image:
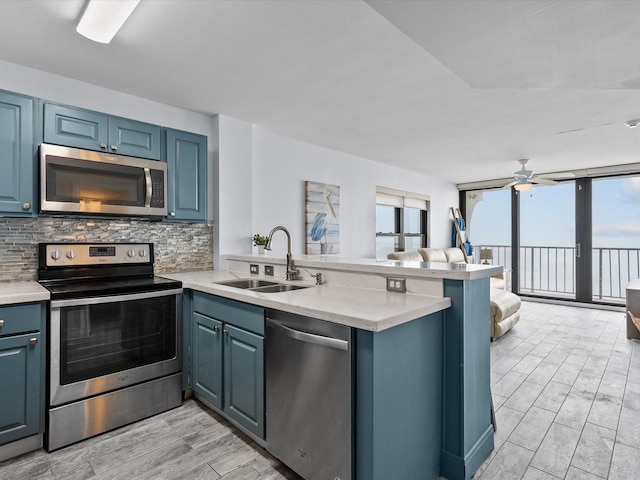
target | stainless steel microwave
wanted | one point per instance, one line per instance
(95, 183)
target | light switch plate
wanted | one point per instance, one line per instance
(253, 268)
(268, 270)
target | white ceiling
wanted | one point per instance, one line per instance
(458, 90)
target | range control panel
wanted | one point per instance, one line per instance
(86, 254)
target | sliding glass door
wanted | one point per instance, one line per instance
(615, 237)
(547, 251)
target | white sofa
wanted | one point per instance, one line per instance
(505, 305)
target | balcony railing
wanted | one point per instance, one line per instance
(550, 271)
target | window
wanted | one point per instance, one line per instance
(401, 221)
(576, 240)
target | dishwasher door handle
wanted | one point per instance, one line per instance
(309, 337)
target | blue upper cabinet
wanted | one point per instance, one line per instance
(76, 127)
(186, 157)
(17, 155)
(136, 139)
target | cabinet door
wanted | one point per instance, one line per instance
(244, 378)
(19, 387)
(186, 157)
(75, 127)
(206, 359)
(135, 139)
(16, 155)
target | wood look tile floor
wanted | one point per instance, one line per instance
(190, 442)
(566, 389)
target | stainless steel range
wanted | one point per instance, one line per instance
(113, 338)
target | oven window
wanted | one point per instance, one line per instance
(97, 340)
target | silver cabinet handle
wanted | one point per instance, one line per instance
(309, 337)
(225, 331)
(103, 145)
(173, 214)
(114, 147)
(216, 328)
(26, 206)
(74, 302)
(33, 341)
(1, 323)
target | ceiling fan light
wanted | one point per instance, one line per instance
(521, 187)
(103, 18)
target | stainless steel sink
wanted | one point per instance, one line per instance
(264, 286)
(248, 283)
(281, 287)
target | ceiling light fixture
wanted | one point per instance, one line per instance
(521, 187)
(103, 18)
(632, 123)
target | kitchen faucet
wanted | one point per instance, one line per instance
(292, 274)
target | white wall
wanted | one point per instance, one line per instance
(233, 190)
(281, 166)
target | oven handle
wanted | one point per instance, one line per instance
(114, 298)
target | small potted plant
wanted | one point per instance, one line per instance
(260, 242)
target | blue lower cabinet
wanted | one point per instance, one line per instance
(227, 359)
(244, 378)
(206, 363)
(20, 387)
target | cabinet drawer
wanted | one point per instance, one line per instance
(19, 318)
(239, 314)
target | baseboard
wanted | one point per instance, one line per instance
(454, 467)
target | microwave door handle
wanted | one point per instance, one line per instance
(147, 177)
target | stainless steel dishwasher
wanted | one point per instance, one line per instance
(308, 398)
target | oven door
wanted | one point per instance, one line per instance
(100, 344)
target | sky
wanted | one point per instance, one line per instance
(548, 215)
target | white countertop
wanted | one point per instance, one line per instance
(634, 284)
(363, 308)
(22, 292)
(454, 271)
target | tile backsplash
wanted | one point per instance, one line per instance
(178, 246)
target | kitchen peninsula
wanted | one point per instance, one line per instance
(421, 383)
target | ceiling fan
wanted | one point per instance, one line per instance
(524, 178)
